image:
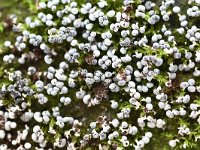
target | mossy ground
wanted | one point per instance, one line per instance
(19, 8)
